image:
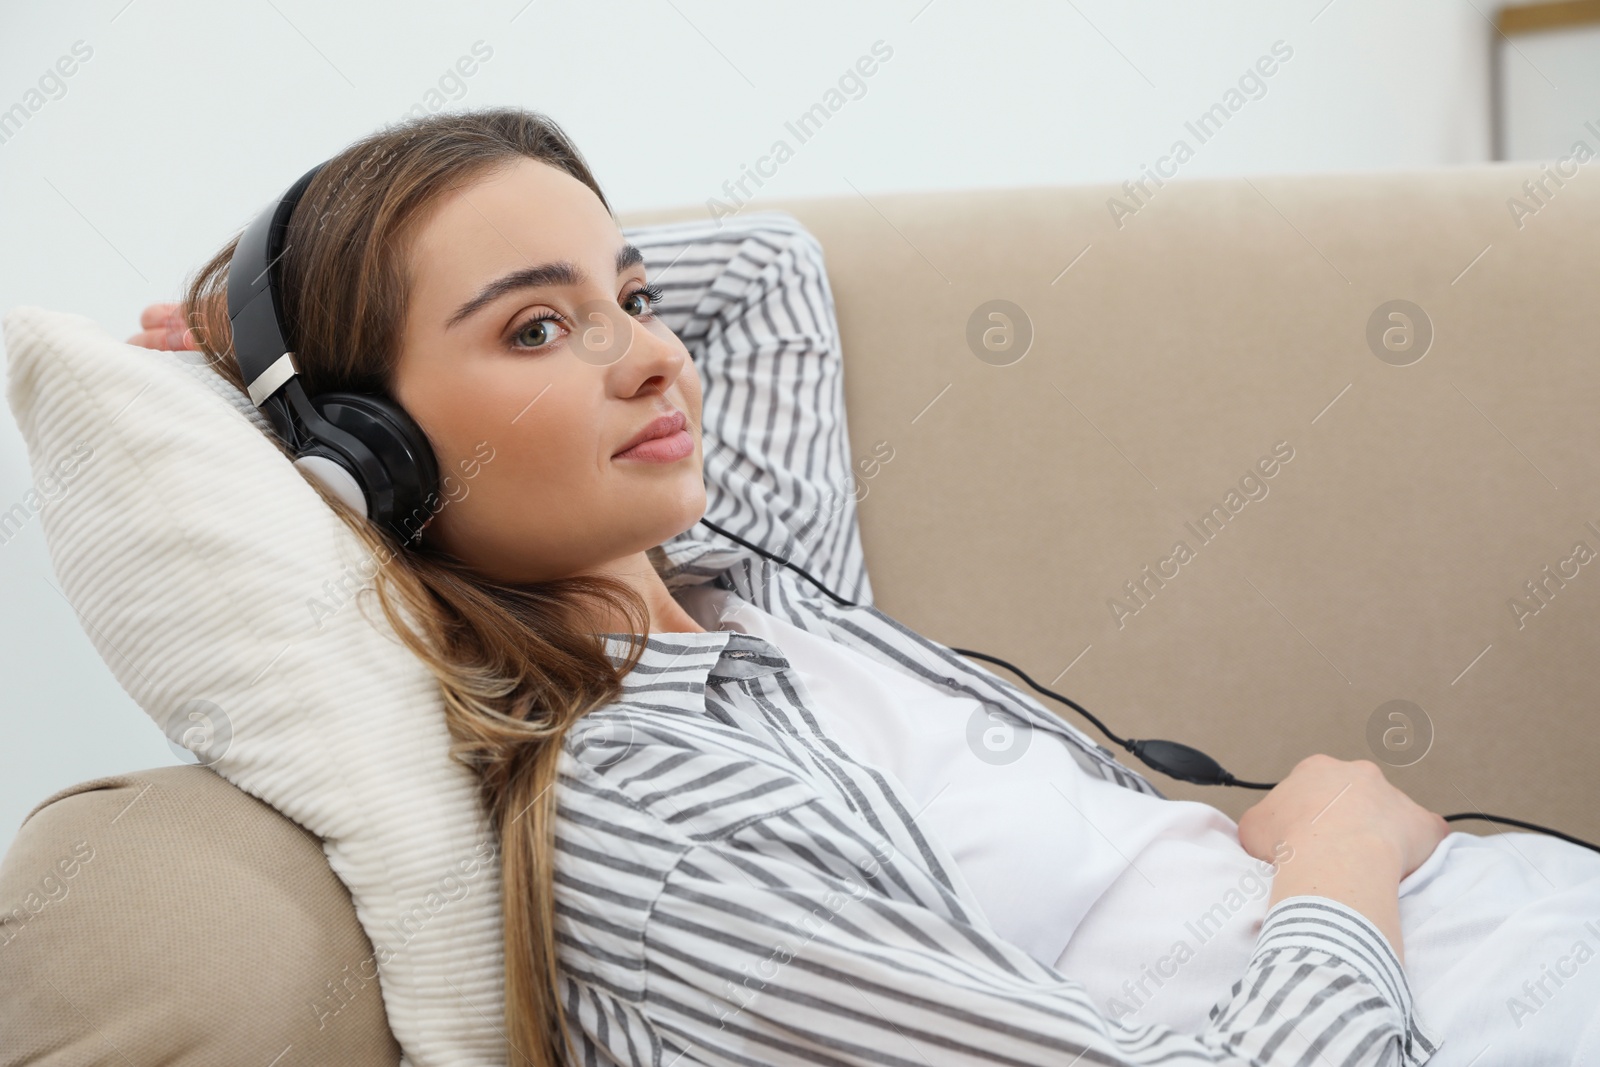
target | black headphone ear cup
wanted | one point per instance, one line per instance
(400, 476)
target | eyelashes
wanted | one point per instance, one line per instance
(545, 322)
(652, 292)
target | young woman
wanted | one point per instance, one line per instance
(743, 824)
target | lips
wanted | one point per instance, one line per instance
(660, 426)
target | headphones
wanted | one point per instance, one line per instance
(368, 452)
(364, 449)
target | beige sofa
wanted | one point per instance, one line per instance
(1010, 505)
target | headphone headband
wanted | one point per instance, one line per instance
(260, 334)
(364, 449)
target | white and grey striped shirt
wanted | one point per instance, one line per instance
(733, 888)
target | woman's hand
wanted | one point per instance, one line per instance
(1324, 798)
(164, 328)
(1351, 836)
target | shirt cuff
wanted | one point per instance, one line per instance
(1326, 925)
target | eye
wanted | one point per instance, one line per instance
(642, 301)
(537, 332)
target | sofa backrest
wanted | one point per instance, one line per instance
(1421, 546)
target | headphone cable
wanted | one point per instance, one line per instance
(1184, 763)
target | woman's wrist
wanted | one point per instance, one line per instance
(1359, 870)
(1374, 847)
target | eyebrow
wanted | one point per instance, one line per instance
(560, 272)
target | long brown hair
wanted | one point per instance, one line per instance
(516, 662)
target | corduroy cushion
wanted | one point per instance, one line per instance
(220, 589)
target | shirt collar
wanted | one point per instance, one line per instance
(693, 558)
(674, 668)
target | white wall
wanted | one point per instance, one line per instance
(188, 116)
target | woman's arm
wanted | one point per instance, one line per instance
(766, 946)
(749, 297)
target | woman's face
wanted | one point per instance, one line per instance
(532, 359)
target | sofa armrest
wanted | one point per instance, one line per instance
(167, 917)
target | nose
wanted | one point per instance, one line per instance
(650, 356)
